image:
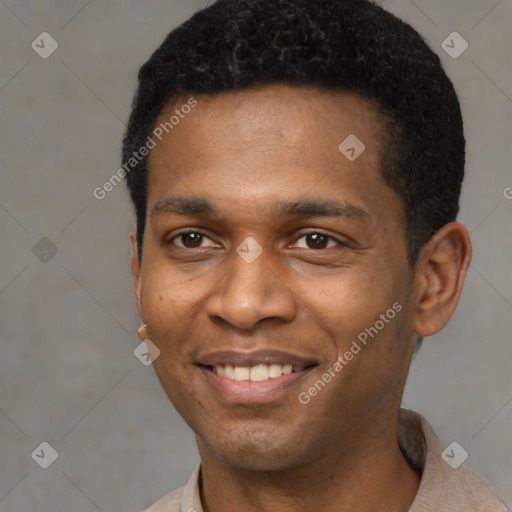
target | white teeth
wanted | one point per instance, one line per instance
(259, 373)
(242, 373)
(229, 371)
(275, 370)
(287, 368)
(256, 373)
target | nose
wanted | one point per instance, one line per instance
(250, 293)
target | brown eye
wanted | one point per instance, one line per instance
(191, 240)
(317, 241)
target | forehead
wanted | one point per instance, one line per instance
(268, 143)
(277, 111)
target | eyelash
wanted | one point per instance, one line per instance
(202, 233)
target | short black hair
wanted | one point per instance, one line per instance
(337, 45)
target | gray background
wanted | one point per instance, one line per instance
(68, 375)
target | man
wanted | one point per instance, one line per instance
(295, 167)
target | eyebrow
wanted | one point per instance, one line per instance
(199, 206)
(183, 206)
(330, 208)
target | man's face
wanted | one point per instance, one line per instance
(264, 163)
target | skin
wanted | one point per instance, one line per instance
(246, 153)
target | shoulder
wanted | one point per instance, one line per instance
(461, 490)
(169, 503)
(474, 492)
(185, 498)
(445, 483)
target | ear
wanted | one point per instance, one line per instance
(440, 273)
(135, 269)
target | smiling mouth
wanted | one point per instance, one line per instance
(257, 373)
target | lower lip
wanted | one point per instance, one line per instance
(250, 392)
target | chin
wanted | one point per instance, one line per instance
(261, 452)
(242, 459)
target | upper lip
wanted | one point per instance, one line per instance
(254, 358)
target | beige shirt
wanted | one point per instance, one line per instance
(442, 488)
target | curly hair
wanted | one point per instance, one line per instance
(337, 45)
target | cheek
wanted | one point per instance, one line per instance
(166, 296)
(348, 301)
(365, 316)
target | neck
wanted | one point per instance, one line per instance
(373, 476)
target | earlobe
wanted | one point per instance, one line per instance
(142, 332)
(135, 270)
(440, 275)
